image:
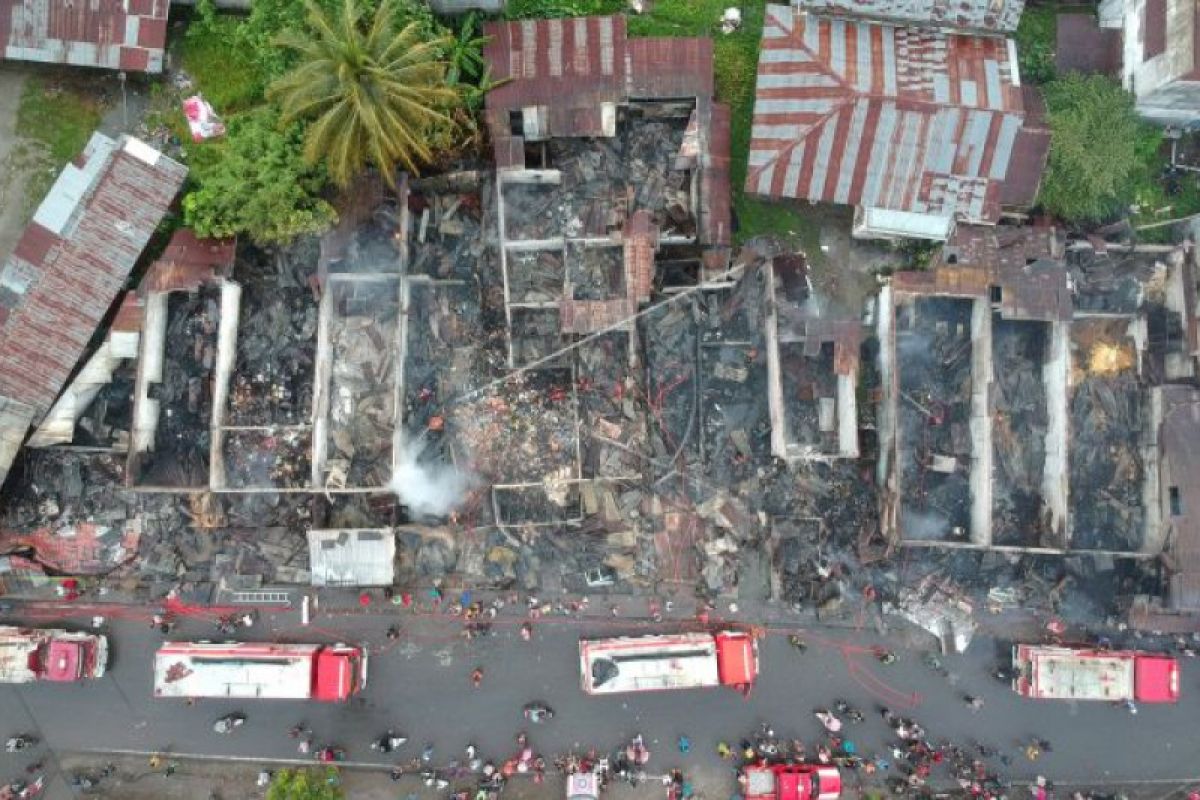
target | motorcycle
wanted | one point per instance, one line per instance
(799, 644)
(330, 754)
(16, 744)
(229, 722)
(388, 742)
(538, 712)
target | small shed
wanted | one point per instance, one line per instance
(352, 557)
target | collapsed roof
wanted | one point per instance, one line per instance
(67, 269)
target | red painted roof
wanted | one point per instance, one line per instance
(114, 34)
(73, 260)
(880, 116)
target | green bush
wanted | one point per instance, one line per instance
(255, 183)
(1036, 40)
(224, 72)
(1099, 148)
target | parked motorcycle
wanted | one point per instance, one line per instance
(229, 722)
(538, 712)
(16, 744)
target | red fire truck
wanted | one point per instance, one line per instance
(790, 782)
(49, 654)
(675, 661)
(1080, 673)
(330, 673)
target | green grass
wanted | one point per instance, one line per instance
(225, 74)
(1036, 40)
(57, 117)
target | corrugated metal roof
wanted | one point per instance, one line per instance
(669, 67)
(354, 557)
(59, 284)
(114, 34)
(570, 66)
(995, 16)
(885, 117)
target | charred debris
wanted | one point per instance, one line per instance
(558, 375)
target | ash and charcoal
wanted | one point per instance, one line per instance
(933, 348)
(735, 419)
(521, 431)
(183, 438)
(447, 236)
(276, 344)
(537, 334)
(1107, 411)
(267, 459)
(810, 393)
(595, 273)
(362, 391)
(107, 419)
(372, 246)
(555, 502)
(1020, 419)
(669, 333)
(536, 276)
(611, 414)
(603, 182)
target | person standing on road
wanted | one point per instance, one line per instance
(477, 677)
(975, 703)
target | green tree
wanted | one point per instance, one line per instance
(373, 94)
(1098, 146)
(256, 183)
(305, 784)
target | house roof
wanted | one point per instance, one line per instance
(354, 557)
(570, 66)
(875, 115)
(995, 16)
(70, 264)
(189, 261)
(115, 34)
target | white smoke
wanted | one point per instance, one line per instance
(427, 487)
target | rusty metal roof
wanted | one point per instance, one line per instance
(669, 67)
(569, 66)
(72, 261)
(188, 261)
(985, 16)
(115, 34)
(880, 116)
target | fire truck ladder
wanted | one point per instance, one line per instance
(261, 597)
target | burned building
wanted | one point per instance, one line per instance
(68, 268)
(611, 157)
(916, 128)
(812, 361)
(1022, 397)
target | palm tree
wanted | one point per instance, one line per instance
(372, 94)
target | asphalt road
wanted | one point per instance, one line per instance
(421, 686)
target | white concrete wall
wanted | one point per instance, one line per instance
(1145, 77)
(981, 422)
(1056, 376)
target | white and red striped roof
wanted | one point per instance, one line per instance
(883, 116)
